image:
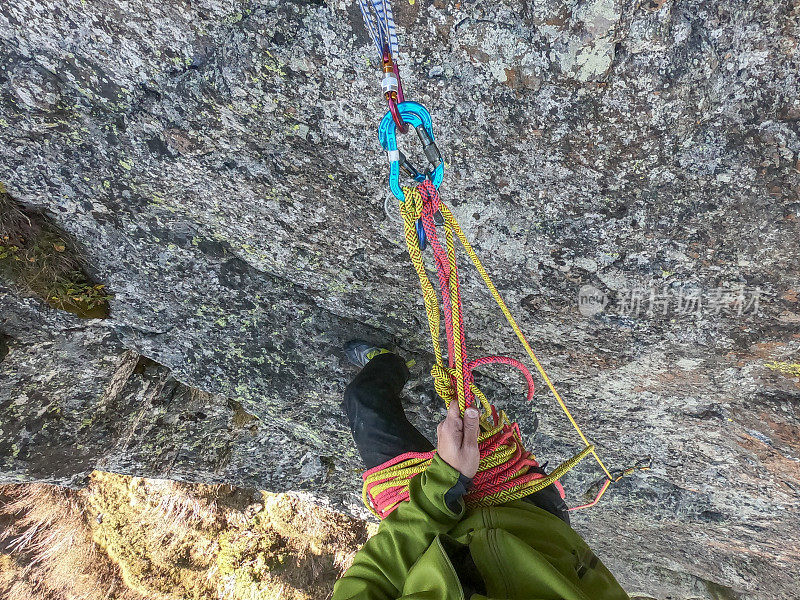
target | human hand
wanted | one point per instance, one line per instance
(457, 440)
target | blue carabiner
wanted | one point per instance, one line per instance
(422, 238)
(418, 117)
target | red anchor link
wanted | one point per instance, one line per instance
(393, 89)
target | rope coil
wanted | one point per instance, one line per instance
(505, 472)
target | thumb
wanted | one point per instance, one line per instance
(471, 425)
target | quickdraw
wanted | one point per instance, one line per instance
(507, 471)
(379, 22)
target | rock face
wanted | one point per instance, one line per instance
(218, 163)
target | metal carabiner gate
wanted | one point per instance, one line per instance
(418, 117)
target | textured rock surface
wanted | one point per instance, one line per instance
(219, 165)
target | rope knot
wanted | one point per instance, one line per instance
(430, 195)
(411, 208)
(444, 383)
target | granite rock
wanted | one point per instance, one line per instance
(217, 162)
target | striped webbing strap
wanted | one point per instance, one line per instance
(379, 21)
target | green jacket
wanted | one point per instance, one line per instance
(520, 551)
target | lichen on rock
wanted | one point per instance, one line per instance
(219, 163)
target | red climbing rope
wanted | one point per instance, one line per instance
(506, 469)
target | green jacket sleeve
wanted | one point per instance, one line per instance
(380, 567)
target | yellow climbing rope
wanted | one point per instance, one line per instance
(450, 219)
(504, 472)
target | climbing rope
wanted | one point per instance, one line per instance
(507, 471)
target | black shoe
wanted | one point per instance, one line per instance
(359, 352)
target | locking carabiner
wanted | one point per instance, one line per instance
(418, 117)
(393, 88)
